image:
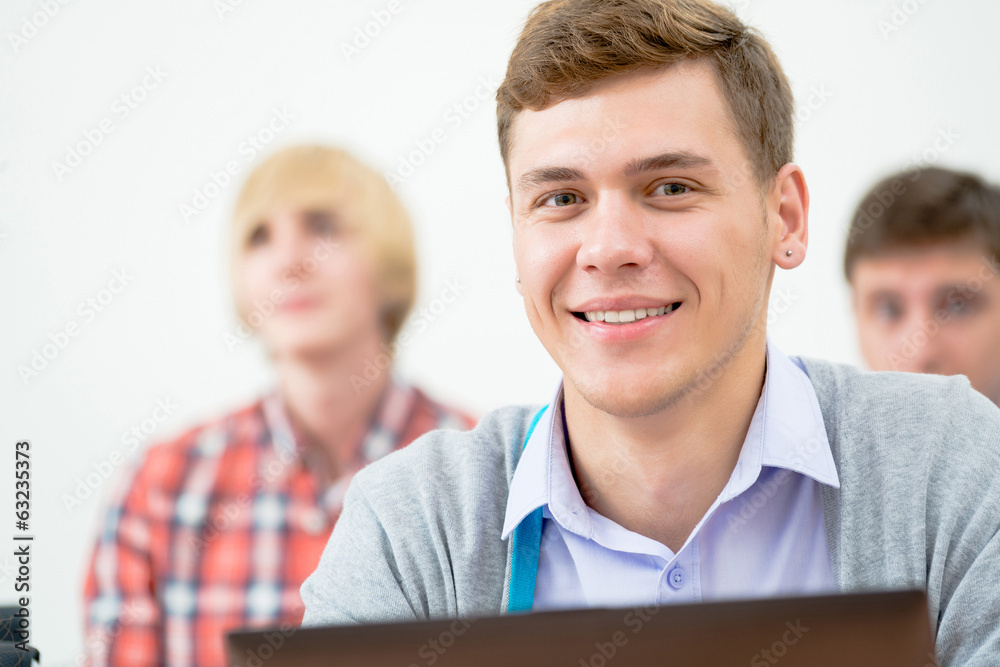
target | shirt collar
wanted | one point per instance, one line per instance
(383, 432)
(277, 423)
(533, 484)
(786, 431)
(389, 420)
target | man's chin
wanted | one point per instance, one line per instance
(303, 344)
(631, 400)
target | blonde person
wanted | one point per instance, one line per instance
(218, 528)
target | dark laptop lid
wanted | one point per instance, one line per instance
(877, 629)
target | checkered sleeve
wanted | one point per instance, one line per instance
(122, 617)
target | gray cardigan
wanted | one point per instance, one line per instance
(919, 507)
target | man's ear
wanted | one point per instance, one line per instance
(789, 199)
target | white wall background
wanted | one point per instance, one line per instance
(226, 68)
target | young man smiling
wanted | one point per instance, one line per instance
(645, 265)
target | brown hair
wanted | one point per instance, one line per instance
(569, 46)
(920, 207)
(327, 178)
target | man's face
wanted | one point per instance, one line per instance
(931, 310)
(640, 196)
(306, 283)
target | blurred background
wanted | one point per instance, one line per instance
(119, 121)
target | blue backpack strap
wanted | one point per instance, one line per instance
(526, 545)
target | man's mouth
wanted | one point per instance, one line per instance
(626, 316)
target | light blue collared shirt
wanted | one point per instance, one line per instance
(763, 536)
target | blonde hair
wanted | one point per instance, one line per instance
(567, 47)
(313, 177)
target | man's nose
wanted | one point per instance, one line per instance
(919, 344)
(615, 236)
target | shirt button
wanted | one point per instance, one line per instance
(676, 578)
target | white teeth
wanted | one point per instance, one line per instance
(625, 316)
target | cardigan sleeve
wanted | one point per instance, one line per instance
(967, 531)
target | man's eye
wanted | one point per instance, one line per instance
(321, 222)
(959, 303)
(673, 189)
(957, 306)
(888, 311)
(562, 199)
(259, 236)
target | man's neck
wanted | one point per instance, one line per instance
(658, 475)
(330, 401)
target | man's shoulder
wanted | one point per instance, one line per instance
(851, 389)
(241, 423)
(166, 461)
(902, 414)
(454, 463)
(434, 414)
(426, 520)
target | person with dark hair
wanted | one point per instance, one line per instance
(923, 262)
(652, 195)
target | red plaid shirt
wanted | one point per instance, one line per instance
(218, 529)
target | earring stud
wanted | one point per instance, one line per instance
(788, 252)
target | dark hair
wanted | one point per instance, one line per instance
(922, 207)
(569, 46)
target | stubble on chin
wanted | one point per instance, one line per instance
(667, 391)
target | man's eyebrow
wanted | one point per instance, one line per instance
(543, 175)
(883, 294)
(681, 160)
